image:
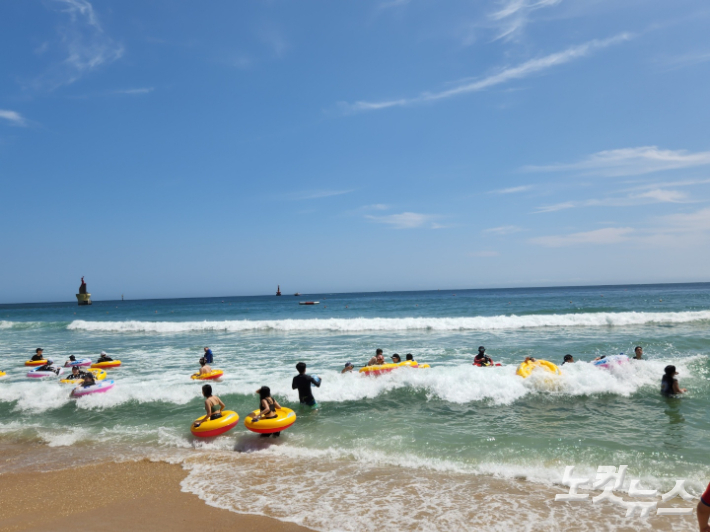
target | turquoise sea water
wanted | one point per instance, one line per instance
(419, 436)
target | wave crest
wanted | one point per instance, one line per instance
(475, 323)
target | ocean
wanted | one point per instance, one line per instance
(450, 447)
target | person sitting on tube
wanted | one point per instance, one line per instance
(213, 406)
(103, 357)
(88, 380)
(482, 359)
(267, 408)
(410, 356)
(76, 373)
(205, 369)
(569, 359)
(396, 359)
(378, 359)
(38, 355)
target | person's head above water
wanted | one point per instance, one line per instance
(378, 352)
(39, 350)
(638, 351)
(75, 369)
(207, 349)
(380, 358)
(349, 365)
(670, 371)
(568, 358)
(72, 358)
(410, 356)
(207, 390)
(103, 353)
(481, 350)
(301, 367)
(396, 358)
(264, 392)
(203, 361)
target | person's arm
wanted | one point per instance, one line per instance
(221, 404)
(208, 409)
(676, 388)
(277, 406)
(293, 383)
(703, 516)
(316, 382)
(264, 408)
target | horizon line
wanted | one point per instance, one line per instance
(376, 292)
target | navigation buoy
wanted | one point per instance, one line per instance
(83, 297)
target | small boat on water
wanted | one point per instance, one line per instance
(278, 290)
(297, 294)
(309, 302)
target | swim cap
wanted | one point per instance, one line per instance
(348, 364)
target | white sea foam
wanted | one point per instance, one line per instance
(474, 323)
(355, 489)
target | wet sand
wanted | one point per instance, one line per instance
(136, 496)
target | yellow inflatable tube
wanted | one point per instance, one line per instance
(285, 417)
(527, 367)
(386, 368)
(215, 427)
(99, 375)
(214, 374)
(2, 374)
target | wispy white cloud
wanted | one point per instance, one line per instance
(316, 194)
(630, 162)
(656, 195)
(694, 222)
(608, 235)
(142, 90)
(505, 75)
(15, 118)
(484, 254)
(685, 60)
(512, 190)
(514, 15)
(84, 44)
(407, 220)
(503, 230)
(375, 207)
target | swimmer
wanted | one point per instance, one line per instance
(303, 383)
(396, 359)
(482, 359)
(378, 359)
(410, 356)
(88, 380)
(638, 353)
(669, 384)
(38, 355)
(208, 355)
(213, 406)
(348, 368)
(569, 359)
(204, 369)
(267, 408)
(76, 374)
(103, 357)
(530, 359)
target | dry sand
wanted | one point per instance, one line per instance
(129, 496)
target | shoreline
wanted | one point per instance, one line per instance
(136, 496)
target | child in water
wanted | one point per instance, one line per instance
(669, 384)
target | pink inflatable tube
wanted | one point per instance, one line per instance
(99, 387)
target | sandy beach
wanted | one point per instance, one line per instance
(116, 496)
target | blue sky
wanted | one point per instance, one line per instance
(169, 149)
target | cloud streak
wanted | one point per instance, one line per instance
(84, 43)
(608, 235)
(523, 70)
(630, 162)
(407, 220)
(512, 190)
(15, 118)
(316, 194)
(515, 14)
